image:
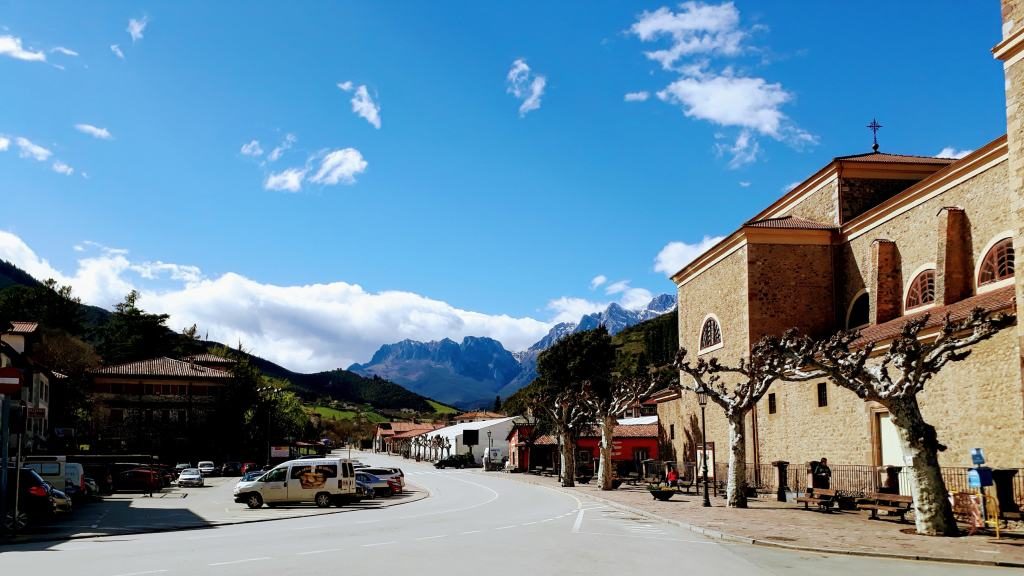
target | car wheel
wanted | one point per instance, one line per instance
(254, 500)
(323, 500)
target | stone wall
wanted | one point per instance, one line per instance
(819, 206)
(857, 195)
(790, 286)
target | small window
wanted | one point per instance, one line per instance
(671, 431)
(771, 403)
(640, 454)
(710, 334)
(822, 394)
(860, 312)
(922, 290)
(998, 263)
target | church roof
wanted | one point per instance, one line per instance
(208, 358)
(887, 158)
(790, 222)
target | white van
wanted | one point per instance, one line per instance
(51, 468)
(324, 481)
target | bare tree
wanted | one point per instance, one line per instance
(607, 404)
(765, 365)
(894, 381)
(568, 415)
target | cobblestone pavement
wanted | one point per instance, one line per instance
(787, 524)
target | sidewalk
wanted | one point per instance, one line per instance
(781, 524)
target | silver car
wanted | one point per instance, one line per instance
(386, 473)
(190, 477)
(379, 485)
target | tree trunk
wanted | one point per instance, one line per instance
(605, 468)
(736, 488)
(568, 470)
(933, 513)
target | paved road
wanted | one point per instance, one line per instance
(473, 523)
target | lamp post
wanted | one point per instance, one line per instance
(702, 399)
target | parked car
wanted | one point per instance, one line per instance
(231, 469)
(35, 504)
(380, 486)
(190, 477)
(181, 466)
(364, 490)
(61, 501)
(252, 475)
(456, 461)
(325, 481)
(249, 467)
(388, 474)
(206, 468)
(92, 489)
(51, 468)
(138, 480)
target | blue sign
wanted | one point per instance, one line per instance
(973, 479)
(977, 456)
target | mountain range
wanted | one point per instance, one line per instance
(473, 372)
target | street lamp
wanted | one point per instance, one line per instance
(702, 399)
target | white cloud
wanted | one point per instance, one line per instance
(637, 96)
(791, 185)
(29, 150)
(697, 28)
(750, 103)
(94, 131)
(675, 255)
(744, 151)
(744, 184)
(11, 46)
(252, 148)
(62, 168)
(345, 86)
(117, 51)
(950, 152)
(525, 85)
(5, 143)
(137, 27)
(64, 51)
(340, 167)
(289, 180)
(287, 143)
(597, 281)
(305, 327)
(569, 309)
(364, 106)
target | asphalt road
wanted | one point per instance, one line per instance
(473, 523)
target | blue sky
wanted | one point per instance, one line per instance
(491, 168)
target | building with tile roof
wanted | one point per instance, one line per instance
(868, 242)
(16, 351)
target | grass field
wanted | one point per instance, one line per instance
(441, 408)
(335, 414)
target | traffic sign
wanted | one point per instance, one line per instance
(10, 381)
(36, 413)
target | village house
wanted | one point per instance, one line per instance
(869, 241)
(384, 438)
(633, 441)
(16, 352)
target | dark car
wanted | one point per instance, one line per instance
(35, 503)
(457, 461)
(231, 469)
(138, 480)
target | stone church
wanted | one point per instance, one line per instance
(870, 241)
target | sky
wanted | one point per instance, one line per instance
(314, 180)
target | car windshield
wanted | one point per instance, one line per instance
(189, 471)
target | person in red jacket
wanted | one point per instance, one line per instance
(672, 477)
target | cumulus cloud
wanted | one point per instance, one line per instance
(697, 35)
(117, 51)
(62, 168)
(950, 152)
(94, 131)
(64, 51)
(252, 148)
(675, 255)
(744, 184)
(345, 86)
(280, 149)
(136, 27)
(340, 167)
(11, 47)
(790, 186)
(27, 149)
(525, 85)
(637, 96)
(288, 180)
(304, 327)
(571, 309)
(5, 143)
(597, 281)
(363, 104)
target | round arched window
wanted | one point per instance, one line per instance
(860, 312)
(710, 334)
(998, 263)
(921, 290)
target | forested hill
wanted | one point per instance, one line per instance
(19, 300)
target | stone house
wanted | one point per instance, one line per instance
(16, 352)
(870, 241)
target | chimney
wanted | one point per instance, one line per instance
(886, 283)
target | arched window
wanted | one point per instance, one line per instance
(860, 312)
(998, 263)
(922, 290)
(710, 334)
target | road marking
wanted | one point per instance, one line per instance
(528, 524)
(506, 527)
(548, 520)
(141, 573)
(636, 536)
(470, 532)
(379, 544)
(579, 521)
(493, 498)
(311, 552)
(432, 537)
(230, 562)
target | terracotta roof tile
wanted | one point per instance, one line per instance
(162, 367)
(478, 415)
(627, 431)
(208, 358)
(23, 327)
(790, 222)
(896, 158)
(993, 301)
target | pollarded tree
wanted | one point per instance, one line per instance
(564, 412)
(753, 378)
(894, 381)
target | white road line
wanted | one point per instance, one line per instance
(579, 521)
(548, 520)
(432, 537)
(141, 573)
(379, 544)
(492, 499)
(244, 560)
(528, 524)
(311, 552)
(470, 532)
(506, 527)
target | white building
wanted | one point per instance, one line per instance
(478, 434)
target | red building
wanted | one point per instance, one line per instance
(631, 444)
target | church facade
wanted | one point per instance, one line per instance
(868, 242)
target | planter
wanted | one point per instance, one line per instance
(662, 495)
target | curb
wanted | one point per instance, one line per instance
(423, 494)
(717, 535)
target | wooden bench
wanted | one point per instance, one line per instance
(823, 498)
(632, 478)
(891, 504)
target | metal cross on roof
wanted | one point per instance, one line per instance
(874, 126)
